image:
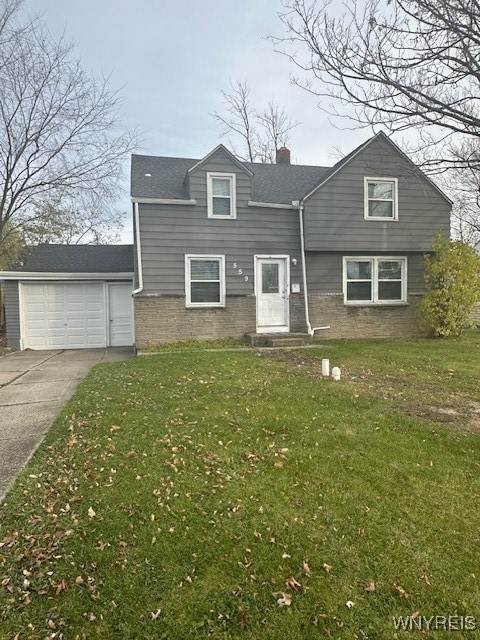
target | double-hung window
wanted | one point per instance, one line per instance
(205, 281)
(379, 280)
(381, 199)
(221, 199)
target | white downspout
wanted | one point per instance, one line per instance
(304, 266)
(311, 330)
(139, 250)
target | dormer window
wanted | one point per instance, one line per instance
(221, 201)
(381, 199)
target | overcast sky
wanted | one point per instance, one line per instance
(171, 58)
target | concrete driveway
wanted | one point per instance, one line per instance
(34, 387)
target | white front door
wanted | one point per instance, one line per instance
(272, 292)
(120, 316)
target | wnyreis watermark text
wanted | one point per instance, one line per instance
(435, 623)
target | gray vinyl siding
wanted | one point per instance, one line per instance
(324, 271)
(169, 232)
(334, 215)
(12, 314)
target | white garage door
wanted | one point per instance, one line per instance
(64, 316)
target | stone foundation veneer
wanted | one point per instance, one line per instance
(382, 321)
(165, 319)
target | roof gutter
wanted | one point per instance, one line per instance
(311, 330)
(139, 249)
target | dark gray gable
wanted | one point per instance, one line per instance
(345, 160)
(221, 150)
(80, 258)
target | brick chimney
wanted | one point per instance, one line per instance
(283, 156)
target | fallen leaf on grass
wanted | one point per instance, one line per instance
(115, 427)
(350, 604)
(370, 586)
(400, 591)
(327, 567)
(425, 578)
(91, 513)
(61, 586)
(283, 599)
(101, 545)
(79, 580)
(306, 568)
(293, 584)
(131, 454)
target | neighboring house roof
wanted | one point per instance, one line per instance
(79, 258)
(159, 177)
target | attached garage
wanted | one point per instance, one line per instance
(87, 308)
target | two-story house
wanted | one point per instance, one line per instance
(225, 247)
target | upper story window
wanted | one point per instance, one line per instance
(381, 199)
(221, 200)
(375, 280)
(205, 281)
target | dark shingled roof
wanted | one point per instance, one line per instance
(278, 183)
(80, 258)
(158, 177)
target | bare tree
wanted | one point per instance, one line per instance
(258, 132)
(465, 192)
(401, 64)
(73, 221)
(60, 131)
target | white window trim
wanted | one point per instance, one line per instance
(188, 291)
(233, 195)
(375, 302)
(366, 182)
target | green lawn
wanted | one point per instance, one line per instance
(191, 494)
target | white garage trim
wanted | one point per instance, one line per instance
(73, 277)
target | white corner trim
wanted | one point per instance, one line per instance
(138, 243)
(21, 315)
(177, 201)
(271, 205)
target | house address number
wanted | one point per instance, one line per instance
(240, 271)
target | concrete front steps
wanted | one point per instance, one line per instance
(278, 339)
